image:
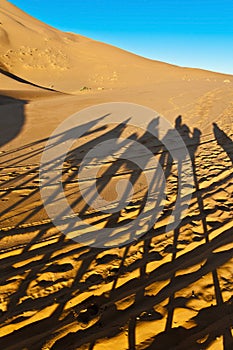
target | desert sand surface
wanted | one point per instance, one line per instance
(170, 289)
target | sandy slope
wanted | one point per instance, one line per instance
(67, 62)
(170, 290)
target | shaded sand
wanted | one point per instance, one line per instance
(172, 289)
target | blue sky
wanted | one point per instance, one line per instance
(189, 33)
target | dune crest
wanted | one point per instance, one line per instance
(67, 62)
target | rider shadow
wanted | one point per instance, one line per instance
(224, 141)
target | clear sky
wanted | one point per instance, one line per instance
(193, 33)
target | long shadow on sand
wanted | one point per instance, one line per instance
(224, 141)
(61, 295)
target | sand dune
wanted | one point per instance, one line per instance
(171, 289)
(66, 62)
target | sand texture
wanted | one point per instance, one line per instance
(172, 289)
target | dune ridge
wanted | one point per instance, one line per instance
(67, 62)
